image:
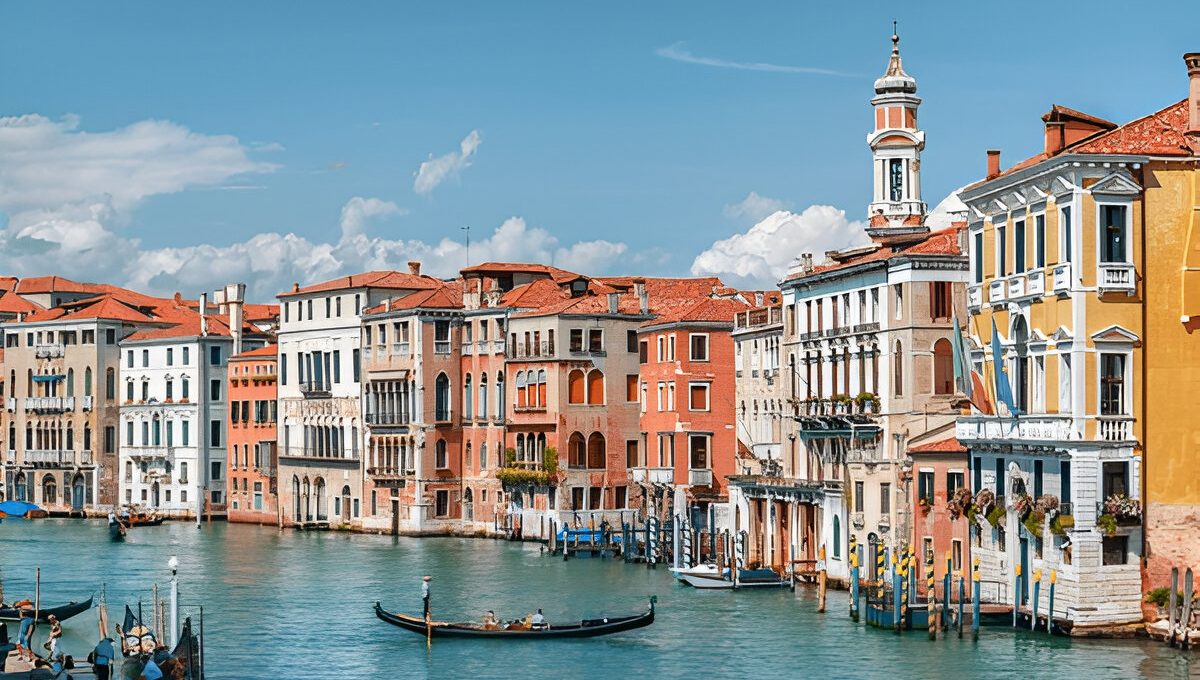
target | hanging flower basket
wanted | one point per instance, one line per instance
(996, 516)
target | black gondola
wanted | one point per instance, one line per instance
(62, 612)
(585, 628)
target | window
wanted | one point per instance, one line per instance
(595, 388)
(337, 366)
(1112, 384)
(698, 451)
(128, 434)
(885, 498)
(631, 387)
(187, 359)
(1116, 550)
(576, 451)
(941, 304)
(1001, 250)
(1115, 478)
(110, 439)
(1037, 478)
(977, 255)
(128, 356)
(184, 392)
(837, 537)
(440, 459)
(698, 342)
(1039, 241)
(214, 355)
(698, 396)
(129, 391)
(577, 498)
(898, 370)
(576, 340)
(596, 451)
(595, 340)
(214, 390)
(925, 486)
(898, 291)
(468, 400)
(1064, 234)
(858, 497)
(1018, 246)
(356, 366)
(943, 367)
(1064, 481)
(441, 398)
(631, 341)
(1113, 236)
(170, 356)
(631, 456)
(442, 503)
(575, 387)
(896, 179)
(283, 364)
(954, 482)
(643, 352)
(671, 347)
(110, 336)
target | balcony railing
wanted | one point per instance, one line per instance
(996, 290)
(652, 475)
(1035, 283)
(10, 456)
(702, 477)
(468, 348)
(314, 389)
(497, 347)
(871, 327)
(975, 296)
(50, 404)
(441, 347)
(1115, 428)
(532, 350)
(1016, 286)
(51, 351)
(387, 473)
(87, 402)
(10, 404)
(1062, 277)
(150, 453)
(400, 349)
(1030, 428)
(388, 418)
(866, 454)
(45, 457)
(1116, 277)
(857, 520)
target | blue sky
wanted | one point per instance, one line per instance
(587, 131)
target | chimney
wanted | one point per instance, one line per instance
(993, 166)
(639, 287)
(414, 267)
(203, 318)
(758, 299)
(806, 262)
(1192, 59)
(614, 302)
(235, 298)
(295, 287)
(387, 305)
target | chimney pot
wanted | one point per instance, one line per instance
(295, 287)
(1192, 59)
(993, 163)
(614, 302)
(414, 267)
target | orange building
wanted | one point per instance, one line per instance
(253, 457)
(940, 526)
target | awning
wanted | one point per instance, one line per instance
(47, 378)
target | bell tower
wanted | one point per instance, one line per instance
(897, 212)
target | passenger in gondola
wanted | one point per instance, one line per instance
(538, 621)
(489, 620)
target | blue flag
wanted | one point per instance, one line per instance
(1003, 390)
(962, 365)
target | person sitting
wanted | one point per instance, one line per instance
(489, 620)
(538, 621)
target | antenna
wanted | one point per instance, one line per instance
(467, 229)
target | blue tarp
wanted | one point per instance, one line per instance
(17, 508)
(585, 535)
(48, 378)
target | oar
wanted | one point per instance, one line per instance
(37, 607)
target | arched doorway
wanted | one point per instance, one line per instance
(322, 507)
(346, 504)
(307, 501)
(19, 487)
(468, 505)
(295, 498)
(49, 491)
(78, 492)
(154, 494)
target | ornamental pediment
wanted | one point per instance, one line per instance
(1062, 188)
(1117, 184)
(1116, 334)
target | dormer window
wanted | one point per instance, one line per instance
(578, 287)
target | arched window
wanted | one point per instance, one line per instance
(49, 490)
(837, 537)
(468, 400)
(483, 395)
(70, 382)
(295, 498)
(87, 437)
(499, 395)
(577, 451)
(441, 398)
(157, 431)
(595, 451)
(467, 458)
(520, 447)
(943, 367)
(322, 502)
(898, 370)
(483, 461)
(595, 387)
(575, 387)
(541, 387)
(87, 381)
(521, 401)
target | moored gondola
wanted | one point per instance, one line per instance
(61, 612)
(519, 630)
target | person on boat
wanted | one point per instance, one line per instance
(489, 620)
(25, 635)
(425, 593)
(537, 621)
(151, 671)
(103, 657)
(55, 635)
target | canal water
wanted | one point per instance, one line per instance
(299, 605)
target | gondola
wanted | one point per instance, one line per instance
(116, 530)
(136, 637)
(62, 612)
(585, 628)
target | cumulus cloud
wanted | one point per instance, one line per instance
(754, 207)
(679, 52)
(437, 170)
(65, 192)
(760, 256)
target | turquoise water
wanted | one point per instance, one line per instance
(299, 605)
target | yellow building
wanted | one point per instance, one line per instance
(1080, 256)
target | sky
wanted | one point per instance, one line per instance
(177, 147)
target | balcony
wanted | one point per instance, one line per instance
(1016, 286)
(468, 348)
(389, 418)
(497, 347)
(652, 475)
(975, 296)
(441, 347)
(1116, 277)
(401, 349)
(872, 327)
(1115, 428)
(149, 454)
(51, 351)
(1035, 283)
(996, 290)
(10, 457)
(49, 458)
(865, 454)
(87, 402)
(314, 390)
(384, 474)
(1062, 277)
(10, 404)
(1025, 428)
(534, 350)
(857, 520)
(50, 404)
(700, 477)
(86, 458)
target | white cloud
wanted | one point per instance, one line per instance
(760, 257)
(358, 210)
(678, 52)
(437, 170)
(754, 207)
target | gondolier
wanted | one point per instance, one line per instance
(425, 593)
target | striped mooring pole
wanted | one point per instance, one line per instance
(853, 579)
(930, 595)
(975, 601)
(1050, 607)
(896, 593)
(947, 583)
(1016, 594)
(1037, 587)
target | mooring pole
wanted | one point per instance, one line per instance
(975, 601)
(1037, 587)
(962, 596)
(853, 578)
(930, 595)
(1016, 594)
(947, 598)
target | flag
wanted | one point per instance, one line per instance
(981, 400)
(1003, 389)
(962, 367)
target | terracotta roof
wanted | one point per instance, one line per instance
(378, 279)
(446, 297)
(706, 310)
(950, 445)
(102, 307)
(56, 284)
(268, 352)
(258, 312)
(8, 282)
(517, 268)
(186, 327)
(1058, 112)
(11, 303)
(943, 242)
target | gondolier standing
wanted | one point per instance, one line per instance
(425, 594)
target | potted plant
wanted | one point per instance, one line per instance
(924, 503)
(867, 402)
(996, 516)
(1107, 523)
(1023, 505)
(1125, 510)
(1033, 523)
(1061, 524)
(1047, 504)
(960, 503)
(984, 500)
(1160, 597)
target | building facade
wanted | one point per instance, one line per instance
(253, 454)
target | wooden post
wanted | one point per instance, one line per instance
(853, 579)
(975, 601)
(962, 596)
(1016, 593)
(821, 581)
(37, 606)
(1173, 612)
(1037, 587)
(1050, 607)
(947, 586)
(905, 561)
(896, 588)
(930, 599)
(1187, 607)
